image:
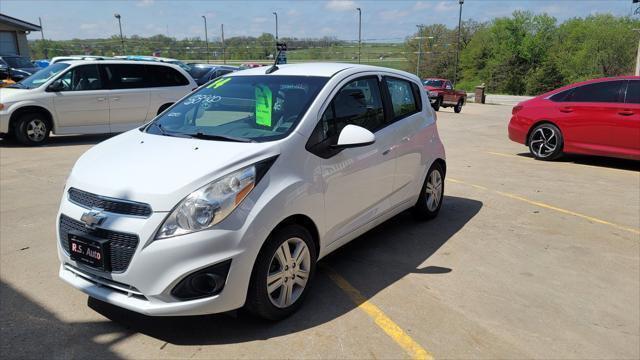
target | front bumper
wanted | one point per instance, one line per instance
(157, 266)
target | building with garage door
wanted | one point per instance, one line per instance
(13, 35)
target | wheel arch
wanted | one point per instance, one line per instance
(31, 109)
(304, 221)
(443, 165)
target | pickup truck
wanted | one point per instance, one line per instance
(442, 94)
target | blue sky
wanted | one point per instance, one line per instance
(381, 20)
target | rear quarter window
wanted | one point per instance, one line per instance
(633, 92)
(162, 76)
(404, 101)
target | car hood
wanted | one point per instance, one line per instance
(12, 94)
(160, 170)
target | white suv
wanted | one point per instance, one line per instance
(231, 196)
(89, 97)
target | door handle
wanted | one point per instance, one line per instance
(566, 109)
(406, 139)
(100, 99)
(115, 98)
(386, 152)
(626, 113)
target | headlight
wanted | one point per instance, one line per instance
(210, 204)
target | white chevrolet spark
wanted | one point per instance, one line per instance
(230, 197)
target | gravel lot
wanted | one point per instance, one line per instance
(527, 259)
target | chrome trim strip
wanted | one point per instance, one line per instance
(131, 291)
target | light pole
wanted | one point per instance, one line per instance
(224, 55)
(206, 37)
(117, 16)
(276, 53)
(359, 34)
(419, 49)
(455, 73)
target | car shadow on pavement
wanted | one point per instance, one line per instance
(29, 331)
(372, 262)
(61, 140)
(600, 161)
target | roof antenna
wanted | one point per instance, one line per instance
(281, 47)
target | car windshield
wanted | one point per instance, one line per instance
(199, 71)
(41, 76)
(431, 82)
(241, 108)
(18, 62)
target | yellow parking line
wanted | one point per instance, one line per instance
(379, 317)
(587, 165)
(551, 207)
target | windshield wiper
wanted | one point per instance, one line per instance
(203, 136)
(166, 133)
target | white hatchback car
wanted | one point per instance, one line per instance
(231, 196)
(90, 97)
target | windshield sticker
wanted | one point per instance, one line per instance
(263, 105)
(216, 84)
(206, 99)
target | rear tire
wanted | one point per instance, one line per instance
(32, 129)
(546, 142)
(282, 273)
(431, 195)
(458, 107)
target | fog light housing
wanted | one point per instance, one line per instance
(202, 283)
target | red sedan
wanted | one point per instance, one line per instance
(595, 117)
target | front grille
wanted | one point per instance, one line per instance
(125, 207)
(122, 245)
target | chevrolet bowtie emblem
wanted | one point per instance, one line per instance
(93, 218)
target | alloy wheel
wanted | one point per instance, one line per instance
(434, 190)
(288, 272)
(544, 142)
(36, 130)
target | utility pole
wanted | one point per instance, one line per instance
(206, 37)
(638, 55)
(455, 73)
(276, 53)
(419, 49)
(224, 55)
(46, 51)
(359, 34)
(117, 16)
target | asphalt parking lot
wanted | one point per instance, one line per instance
(527, 259)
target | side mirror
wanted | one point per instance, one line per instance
(56, 86)
(354, 136)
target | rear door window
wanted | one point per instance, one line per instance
(161, 76)
(82, 78)
(403, 97)
(127, 76)
(633, 92)
(602, 92)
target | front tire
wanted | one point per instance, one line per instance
(431, 195)
(458, 107)
(282, 273)
(546, 142)
(437, 104)
(32, 129)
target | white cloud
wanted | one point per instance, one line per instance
(144, 3)
(340, 5)
(421, 5)
(392, 14)
(259, 20)
(446, 6)
(90, 26)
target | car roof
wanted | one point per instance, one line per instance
(440, 79)
(119, 61)
(314, 69)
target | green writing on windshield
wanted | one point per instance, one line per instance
(263, 105)
(216, 84)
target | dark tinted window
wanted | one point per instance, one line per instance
(606, 91)
(165, 76)
(199, 71)
(561, 96)
(82, 78)
(126, 76)
(633, 92)
(402, 96)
